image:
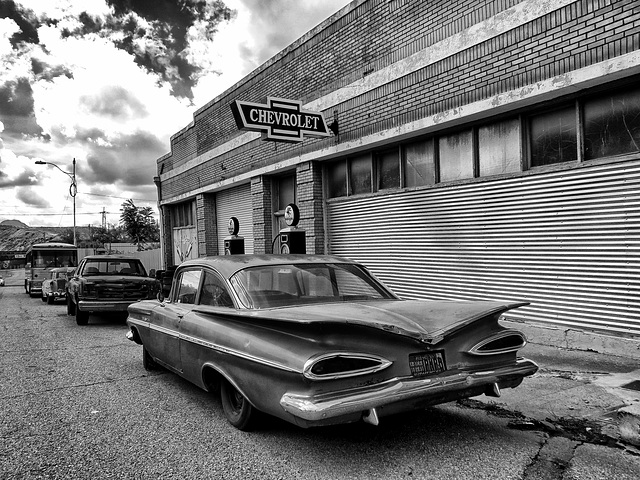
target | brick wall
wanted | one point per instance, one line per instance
(380, 32)
(262, 221)
(310, 202)
(206, 225)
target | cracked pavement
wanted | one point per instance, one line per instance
(77, 404)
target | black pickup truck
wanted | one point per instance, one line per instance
(108, 283)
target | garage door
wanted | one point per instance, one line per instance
(235, 202)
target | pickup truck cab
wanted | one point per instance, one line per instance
(108, 284)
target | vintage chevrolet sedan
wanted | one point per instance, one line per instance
(317, 340)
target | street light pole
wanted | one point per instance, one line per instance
(73, 191)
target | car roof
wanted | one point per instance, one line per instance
(110, 257)
(227, 265)
(62, 269)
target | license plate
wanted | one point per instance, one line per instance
(426, 363)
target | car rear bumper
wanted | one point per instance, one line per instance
(105, 306)
(404, 394)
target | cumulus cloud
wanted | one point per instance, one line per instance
(107, 82)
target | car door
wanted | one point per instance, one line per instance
(164, 344)
(200, 329)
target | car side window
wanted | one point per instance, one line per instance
(188, 286)
(214, 292)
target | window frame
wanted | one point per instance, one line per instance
(522, 117)
(176, 291)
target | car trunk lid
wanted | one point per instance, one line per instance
(427, 321)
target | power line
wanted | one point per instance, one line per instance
(53, 214)
(122, 198)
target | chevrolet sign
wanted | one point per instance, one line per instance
(280, 119)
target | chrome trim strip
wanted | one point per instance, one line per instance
(215, 347)
(335, 404)
(475, 350)
(309, 364)
(238, 353)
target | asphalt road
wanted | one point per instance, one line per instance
(76, 404)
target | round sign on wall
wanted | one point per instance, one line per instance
(291, 215)
(234, 226)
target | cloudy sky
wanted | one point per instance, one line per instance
(107, 82)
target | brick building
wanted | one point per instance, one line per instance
(482, 150)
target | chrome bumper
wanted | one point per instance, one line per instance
(105, 306)
(336, 404)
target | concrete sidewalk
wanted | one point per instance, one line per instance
(588, 388)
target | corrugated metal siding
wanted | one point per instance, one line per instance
(235, 202)
(568, 242)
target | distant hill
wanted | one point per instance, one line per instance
(13, 223)
(14, 238)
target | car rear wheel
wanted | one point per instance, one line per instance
(239, 412)
(148, 362)
(82, 318)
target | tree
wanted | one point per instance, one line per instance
(139, 224)
(66, 236)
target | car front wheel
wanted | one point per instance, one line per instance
(239, 412)
(148, 362)
(82, 318)
(50, 299)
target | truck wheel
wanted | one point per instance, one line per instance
(148, 362)
(82, 318)
(239, 412)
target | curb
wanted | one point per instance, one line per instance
(626, 418)
(573, 339)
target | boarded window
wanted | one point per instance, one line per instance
(419, 164)
(456, 156)
(499, 148)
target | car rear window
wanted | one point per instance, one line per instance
(114, 267)
(288, 285)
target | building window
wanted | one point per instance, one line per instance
(183, 214)
(553, 137)
(337, 179)
(419, 164)
(388, 169)
(499, 148)
(360, 175)
(612, 125)
(608, 125)
(456, 156)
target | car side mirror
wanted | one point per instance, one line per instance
(152, 273)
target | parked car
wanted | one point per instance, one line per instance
(317, 340)
(55, 287)
(108, 283)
